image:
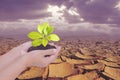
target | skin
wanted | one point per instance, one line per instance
(18, 59)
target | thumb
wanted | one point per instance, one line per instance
(26, 45)
(43, 52)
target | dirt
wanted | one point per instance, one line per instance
(90, 59)
(41, 47)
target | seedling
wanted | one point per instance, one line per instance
(43, 35)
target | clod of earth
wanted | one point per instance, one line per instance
(32, 73)
(61, 70)
(114, 73)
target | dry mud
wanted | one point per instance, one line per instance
(77, 60)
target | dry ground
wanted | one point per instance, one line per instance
(78, 60)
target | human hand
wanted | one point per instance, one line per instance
(18, 59)
(39, 57)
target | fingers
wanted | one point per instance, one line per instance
(52, 57)
(58, 48)
(54, 51)
(52, 44)
(42, 52)
(39, 57)
(47, 60)
(26, 45)
(47, 52)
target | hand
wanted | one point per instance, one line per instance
(39, 58)
(18, 59)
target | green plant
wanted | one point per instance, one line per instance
(43, 35)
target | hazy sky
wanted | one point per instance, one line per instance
(69, 17)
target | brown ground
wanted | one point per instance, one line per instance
(80, 59)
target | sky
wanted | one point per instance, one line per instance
(69, 17)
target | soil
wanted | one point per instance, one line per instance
(98, 61)
(41, 47)
(38, 78)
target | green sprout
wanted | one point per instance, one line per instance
(43, 35)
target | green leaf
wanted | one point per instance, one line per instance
(36, 42)
(40, 28)
(44, 42)
(45, 25)
(53, 37)
(45, 31)
(34, 35)
(49, 30)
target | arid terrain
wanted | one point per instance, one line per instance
(81, 59)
